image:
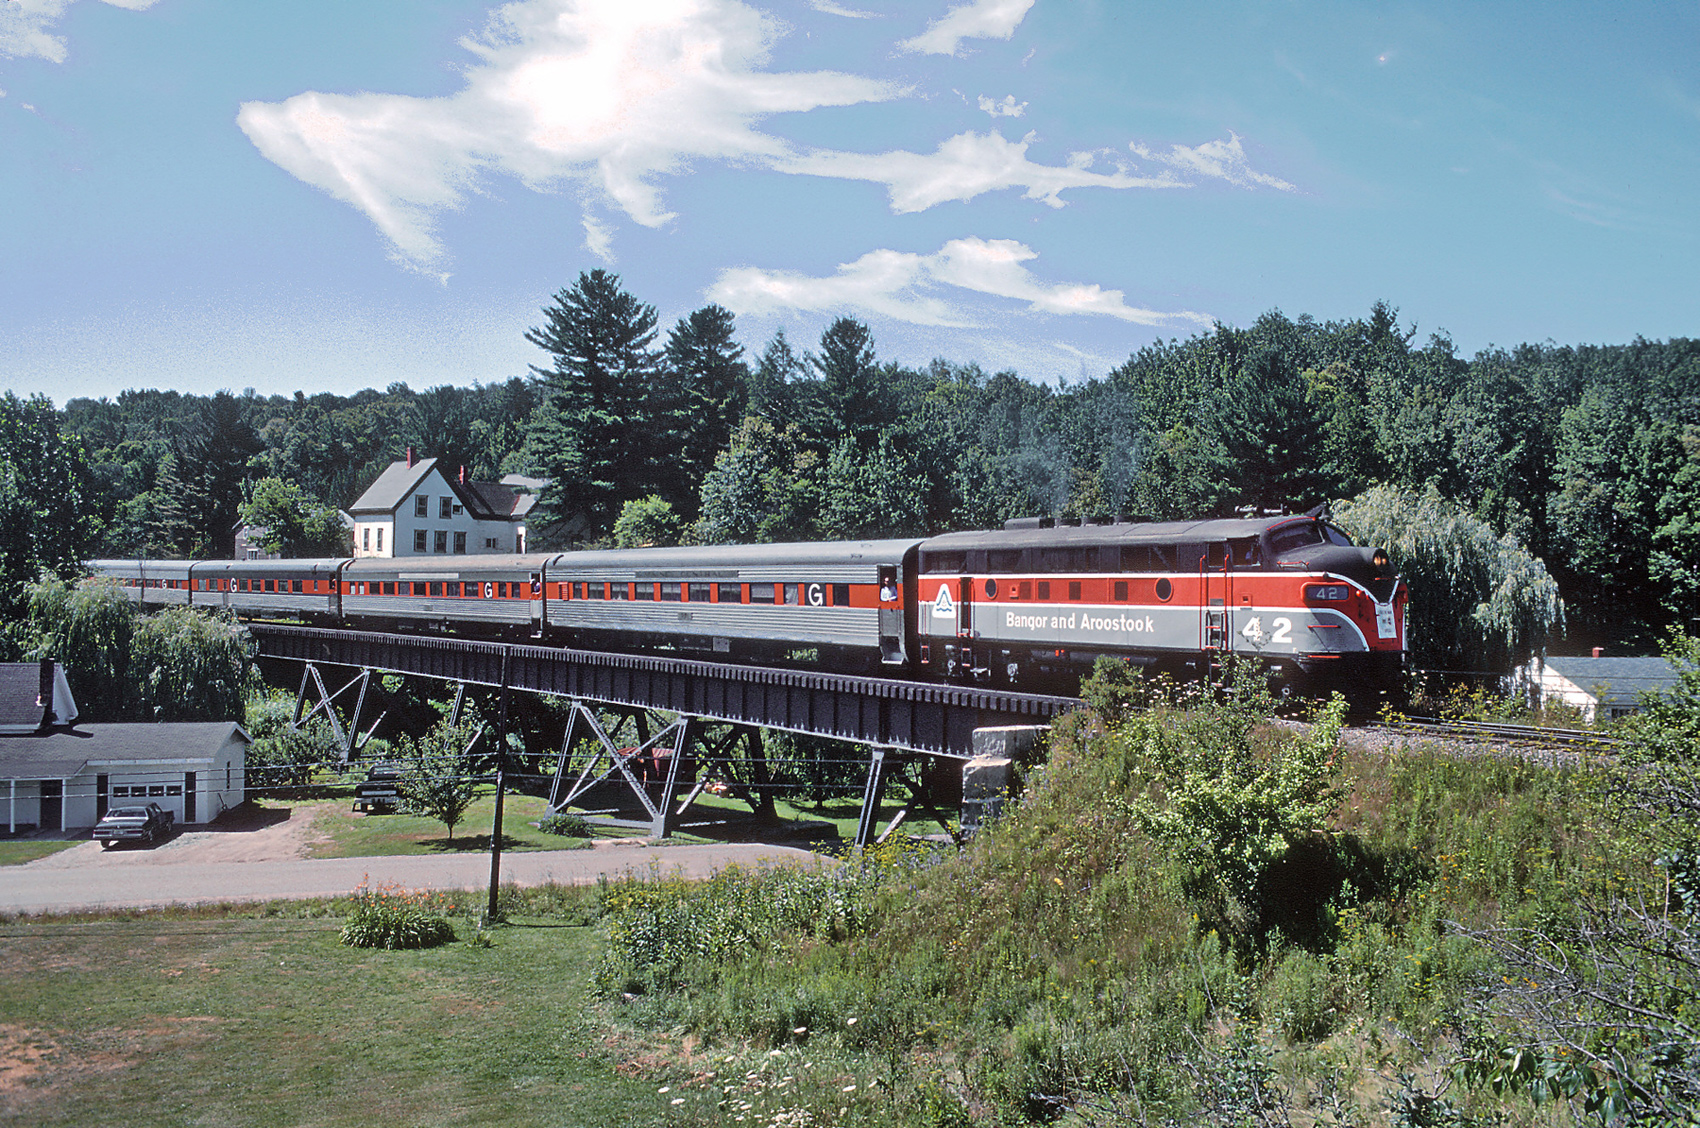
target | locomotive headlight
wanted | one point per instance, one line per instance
(1326, 593)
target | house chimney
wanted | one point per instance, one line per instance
(410, 458)
(463, 475)
(44, 697)
(1599, 651)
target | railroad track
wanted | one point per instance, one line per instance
(1505, 733)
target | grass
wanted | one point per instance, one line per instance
(152, 1019)
(350, 834)
(1071, 955)
(841, 814)
(17, 853)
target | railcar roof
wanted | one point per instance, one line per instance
(1148, 532)
(698, 557)
(280, 567)
(447, 567)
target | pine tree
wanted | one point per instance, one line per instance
(593, 434)
(708, 378)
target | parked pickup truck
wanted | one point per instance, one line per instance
(378, 792)
(139, 824)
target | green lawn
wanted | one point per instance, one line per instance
(355, 835)
(235, 1022)
(351, 834)
(17, 853)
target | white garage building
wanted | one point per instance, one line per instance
(56, 775)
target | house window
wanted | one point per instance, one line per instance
(380, 538)
(366, 539)
(419, 540)
(440, 542)
(460, 543)
(421, 506)
(444, 507)
(490, 544)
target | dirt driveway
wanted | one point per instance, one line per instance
(246, 834)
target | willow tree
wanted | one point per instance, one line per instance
(179, 664)
(1479, 600)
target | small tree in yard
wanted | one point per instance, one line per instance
(439, 783)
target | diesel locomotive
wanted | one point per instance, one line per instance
(1029, 606)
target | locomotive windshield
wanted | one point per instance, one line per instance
(1289, 537)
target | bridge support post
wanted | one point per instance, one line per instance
(871, 796)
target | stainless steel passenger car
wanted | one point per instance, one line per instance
(495, 595)
(845, 600)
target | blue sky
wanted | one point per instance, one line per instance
(325, 195)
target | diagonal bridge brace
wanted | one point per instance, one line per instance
(609, 758)
(348, 739)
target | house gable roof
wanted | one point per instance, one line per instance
(24, 706)
(394, 486)
(485, 501)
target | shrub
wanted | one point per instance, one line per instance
(1300, 997)
(392, 917)
(565, 824)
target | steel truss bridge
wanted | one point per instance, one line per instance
(900, 721)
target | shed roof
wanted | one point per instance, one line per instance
(63, 754)
(1615, 680)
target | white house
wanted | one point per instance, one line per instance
(57, 777)
(1602, 688)
(413, 509)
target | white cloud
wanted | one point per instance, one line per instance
(906, 286)
(832, 9)
(607, 93)
(25, 24)
(598, 238)
(978, 19)
(1222, 160)
(1009, 107)
(966, 166)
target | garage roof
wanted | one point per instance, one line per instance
(61, 755)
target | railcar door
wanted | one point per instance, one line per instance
(1215, 595)
(890, 616)
(538, 594)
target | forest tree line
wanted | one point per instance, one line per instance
(1586, 456)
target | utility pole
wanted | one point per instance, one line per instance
(501, 767)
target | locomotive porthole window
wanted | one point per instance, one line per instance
(991, 589)
(1165, 590)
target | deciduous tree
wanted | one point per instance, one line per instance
(294, 524)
